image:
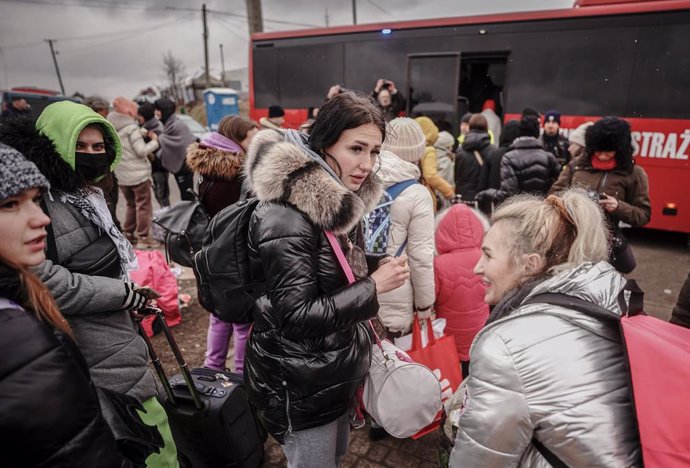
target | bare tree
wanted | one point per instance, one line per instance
(175, 73)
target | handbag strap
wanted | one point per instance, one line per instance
(417, 333)
(550, 457)
(340, 255)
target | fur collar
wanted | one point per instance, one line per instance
(22, 135)
(279, 171)
(214, 163)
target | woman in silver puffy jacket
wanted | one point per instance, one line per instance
(542, 375)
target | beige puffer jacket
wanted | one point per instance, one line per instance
(135, 166)
(412, 218)
(553, 374)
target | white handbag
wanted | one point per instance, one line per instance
(402, 396)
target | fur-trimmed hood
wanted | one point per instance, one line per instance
(281, 171)
(213, 163)
(21, 134)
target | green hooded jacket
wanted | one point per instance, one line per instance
(63, 121)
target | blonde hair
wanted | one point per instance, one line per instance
(565, 230)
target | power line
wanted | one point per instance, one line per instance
(121, 39)
(132, 6)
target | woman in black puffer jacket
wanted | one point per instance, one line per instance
(50, 411)
(309, 349)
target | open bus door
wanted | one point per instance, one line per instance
(432, 86)
(445, 86)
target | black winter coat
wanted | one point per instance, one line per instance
(309, 349)
(49, 412)
(558, 146)
(467, 167)
(526, 168)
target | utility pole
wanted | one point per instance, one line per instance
(57, 69)
(254, 16)
(203, 14)
(327, 22)
(354, 11)
(222, 65)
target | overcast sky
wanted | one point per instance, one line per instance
(115, 47)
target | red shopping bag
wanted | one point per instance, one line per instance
(441, 356)
(155, 273)
(659, 357)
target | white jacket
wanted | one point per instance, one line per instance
(135, 166)
(412, 218)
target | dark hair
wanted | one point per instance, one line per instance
(478, 122)
(342, 112)
(235, 128)
(147, 110)
(466, 118)
(530, 111)
(97, 103)
(509, 132)
(444, 126)
(528, 126)
(167, 108)
(610, 134)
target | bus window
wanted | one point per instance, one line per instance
(482, 77)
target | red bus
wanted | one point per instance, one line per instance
(630, 60)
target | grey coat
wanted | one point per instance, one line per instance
(93, 306)
(553, 374)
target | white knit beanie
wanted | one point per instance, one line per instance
(405, 138)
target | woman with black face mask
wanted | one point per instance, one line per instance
(88, 259)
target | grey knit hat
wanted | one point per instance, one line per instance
(18, 173)
(405, 138)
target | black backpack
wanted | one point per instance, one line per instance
(185, 224)
(225, 286)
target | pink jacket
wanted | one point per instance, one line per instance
(459, 292)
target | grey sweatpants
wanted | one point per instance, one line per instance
(318, 447)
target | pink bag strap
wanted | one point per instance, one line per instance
(338, 250)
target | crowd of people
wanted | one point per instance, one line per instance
(484, 222)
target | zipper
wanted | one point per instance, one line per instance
(287, 408)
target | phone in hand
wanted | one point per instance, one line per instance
(147, 292)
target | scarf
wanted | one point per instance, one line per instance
(91, 204)
(600, 165)
(174, 140)
(218, 141)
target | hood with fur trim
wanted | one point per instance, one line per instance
(280, 171)
(213, 163)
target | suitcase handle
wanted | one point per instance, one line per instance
(158, 315)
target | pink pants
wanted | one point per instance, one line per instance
(218, 340)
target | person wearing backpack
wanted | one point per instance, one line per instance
(548, 384)
(310, 349)
(410, 226)
(218, 160)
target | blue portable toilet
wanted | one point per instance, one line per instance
(219, 103)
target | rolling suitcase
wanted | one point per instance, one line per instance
(210, 418)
